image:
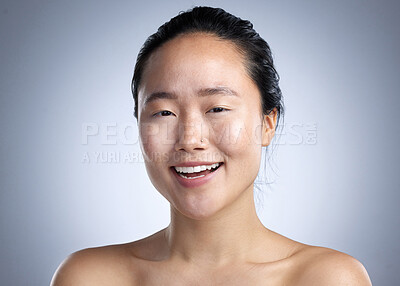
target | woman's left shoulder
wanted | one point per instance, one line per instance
(325, 266)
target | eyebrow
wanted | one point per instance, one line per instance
(202, 92)
(159, 95)
(217, 90)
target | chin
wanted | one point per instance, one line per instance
(197, 210)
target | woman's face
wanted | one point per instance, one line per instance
(200, 123)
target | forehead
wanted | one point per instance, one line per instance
(194, 61)
(197, 45)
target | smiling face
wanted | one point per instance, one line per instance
(201, 125)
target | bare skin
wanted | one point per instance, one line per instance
(207, 108)
(143, 263)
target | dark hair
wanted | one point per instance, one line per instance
(226, 26)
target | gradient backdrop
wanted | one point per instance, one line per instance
(71, 174)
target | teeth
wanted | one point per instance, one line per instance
(196, 169)
(190, 178)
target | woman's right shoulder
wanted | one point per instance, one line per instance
(106, 265)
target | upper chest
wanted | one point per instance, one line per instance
(279, 273)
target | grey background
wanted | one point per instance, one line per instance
(67, 64)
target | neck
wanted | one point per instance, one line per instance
(232, 234)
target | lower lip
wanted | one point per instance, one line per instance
(197, 182)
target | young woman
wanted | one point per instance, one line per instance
(207, 101)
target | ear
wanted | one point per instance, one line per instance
(268, 127)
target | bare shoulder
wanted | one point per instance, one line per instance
(325, 266)
(119, 264)
(107, 265)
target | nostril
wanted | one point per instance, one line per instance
(189, 143)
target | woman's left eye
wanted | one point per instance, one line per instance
(217, 109)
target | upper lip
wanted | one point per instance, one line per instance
(193, 164)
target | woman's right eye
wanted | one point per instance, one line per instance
(163, 113)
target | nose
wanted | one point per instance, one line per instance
(191, 136)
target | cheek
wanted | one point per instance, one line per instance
(240, 142)
(155, 141)
(237, 135)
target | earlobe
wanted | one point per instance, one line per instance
(268, 128)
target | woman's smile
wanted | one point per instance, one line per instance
(195, 174)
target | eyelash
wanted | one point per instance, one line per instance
(212, 110)
(161, 113)
(221, 109)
